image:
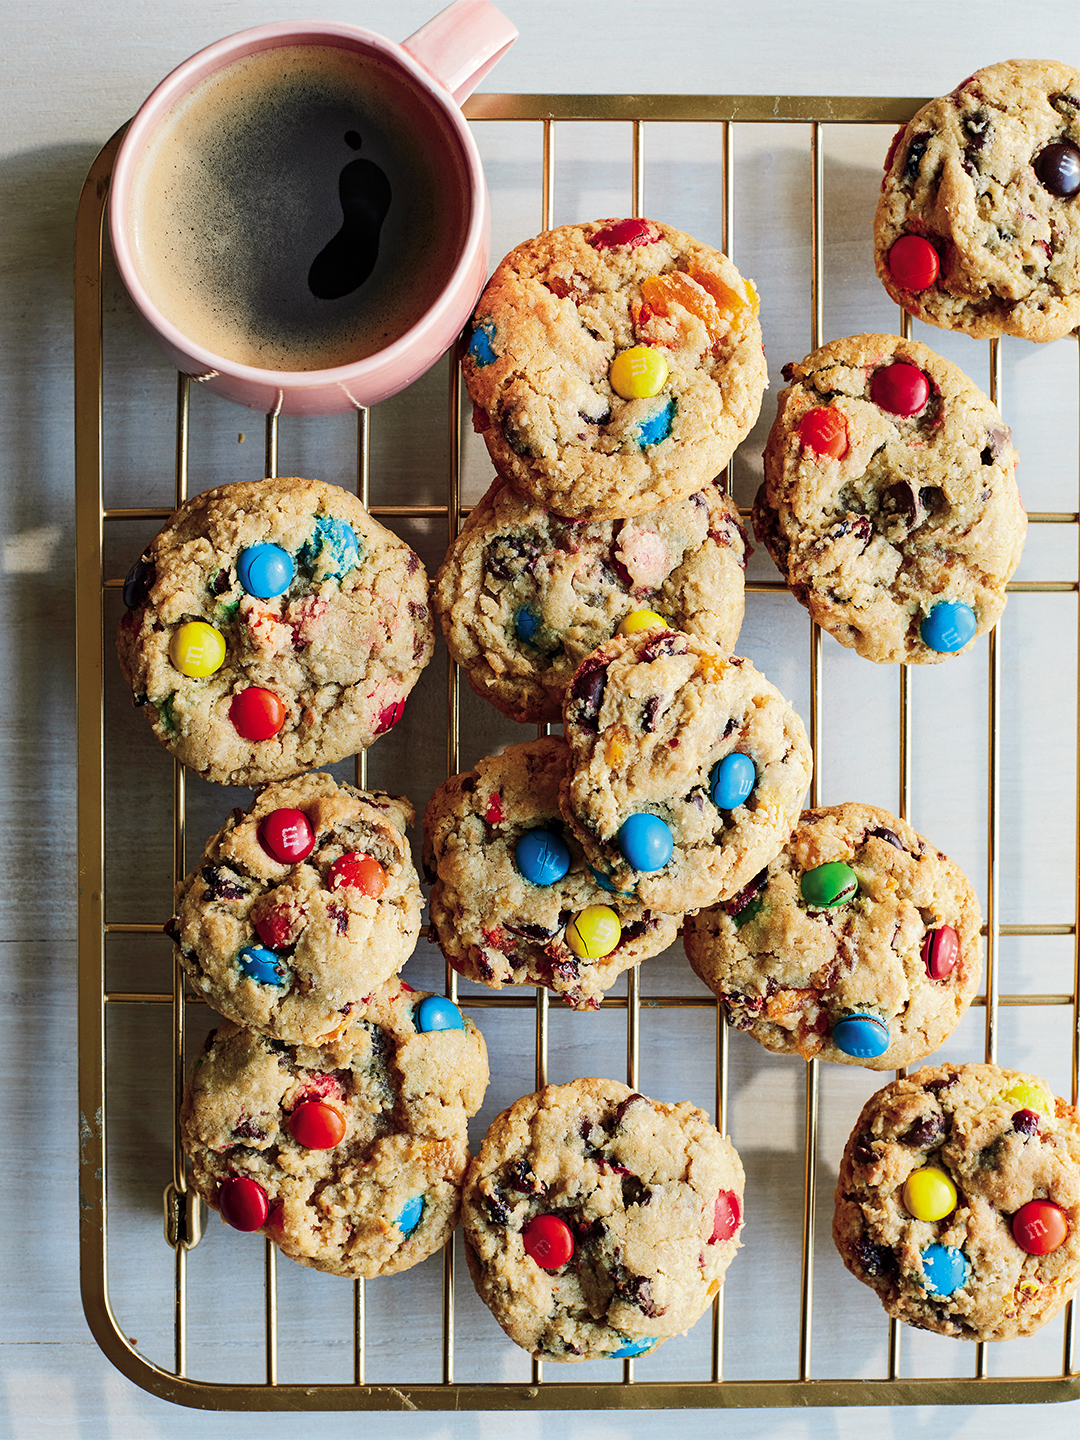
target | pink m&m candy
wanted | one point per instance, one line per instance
(243, 1203)
(901, 389)
(286, 836)
(727, 1216)
(940, 952)
(913, 263)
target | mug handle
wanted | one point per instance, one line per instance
(460, 45)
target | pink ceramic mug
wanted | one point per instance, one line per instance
(299, 211)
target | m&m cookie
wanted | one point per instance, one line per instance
(301, 906)
(978, 224)
(351, 1161)
(958, 1201)
(273, 626)
(598, 1223)
(860, 942)
(614, 366)
(889, 502)
(513, 900)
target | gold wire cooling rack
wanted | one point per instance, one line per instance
(156, 1021)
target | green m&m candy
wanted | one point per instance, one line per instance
(833, 883)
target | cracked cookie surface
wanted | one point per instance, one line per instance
(981, 198)
(350, 1160)
(496, 925)
(642, 1200)
(904, 950)
(524, 595)
(1004, 1154)
(289, 938)
(247, 687)
(564, 427)
(650, 719)
(884, 518)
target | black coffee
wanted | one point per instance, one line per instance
(301, 209)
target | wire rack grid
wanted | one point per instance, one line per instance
(894, 1370)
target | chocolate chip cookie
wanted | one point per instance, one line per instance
(524, 594)
(300, 907)
(614, 366)
(688, 769)
(889, 501)
(513, 900)
(273, 626)
(958, 1201)
(351, 1161)
(978, 224)
(599, 1223)
(860, 942)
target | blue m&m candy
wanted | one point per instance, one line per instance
(948, 627)
(526, 624)
(731, 781)
(332, 549)
(645, 841)
(435, 1012)
(409, 1215)
(265, 570)
(262, 965)
(604, 882)
(946, 1269)
(657, 427)
(633, 1347)
(542, 856)
(863, 1037)
(481, 350)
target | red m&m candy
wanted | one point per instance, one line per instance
(824, 431)
(901, 389)
(1040, 1227)
(316, 1125)
(630, 233)
(243, 1203)
(940, 952)
(286, 836)
(913, 263)
(548, 1241)
(257, 714)
(727, 1216)
(357, 872)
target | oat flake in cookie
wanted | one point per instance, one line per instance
(614, 366)
(524, 595)
(273, 626)
(978, 224)
(300, 907)
(513, 900)
(599, 1223)
(350, 1161)
(958, 1201)
(688, 769)
(860, 943)
(889, 501)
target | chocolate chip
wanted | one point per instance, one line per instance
(248, 1131)
(520, 1176)
(916, 151)
(498, 1210)
(873, 1259)
(889, 836)
(648, 713)
(863, 1152)
(666, 644)
(221, 582)
(222, 884)
(587, 692)
(926, 1131)
(943, 1083)
(634, 1192)
(901, 499)
(624, 1105)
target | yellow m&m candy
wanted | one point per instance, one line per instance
(929, 1194)
(593, 932)
(640, 620)
(638, 373)
(197, 649)
(1029, 1097)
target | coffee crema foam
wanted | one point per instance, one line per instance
(238, 194)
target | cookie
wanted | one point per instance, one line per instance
(614, 366)
(688, 769)
(300, 907)
(958, 1201)
(860, 942)
(599, 1223)
(351, 1163)
(513, 901)
(978, 224)
(889, 501)
(524, 594)
(273, 626)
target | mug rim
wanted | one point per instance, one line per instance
(217, 56)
